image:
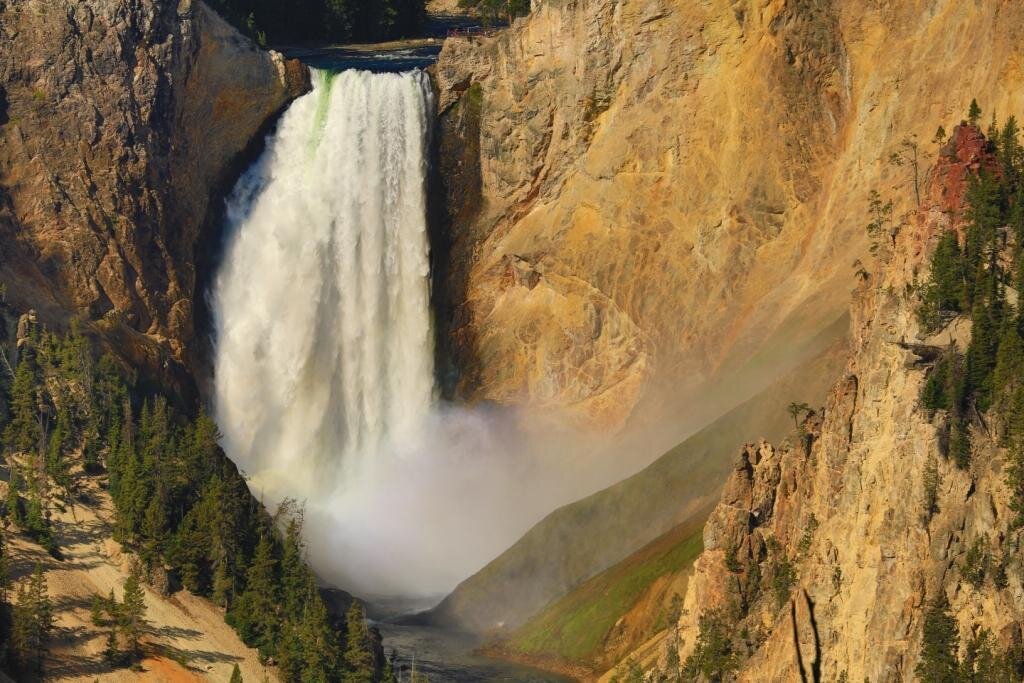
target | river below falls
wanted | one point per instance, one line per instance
(450, 656)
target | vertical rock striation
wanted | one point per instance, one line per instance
(119, 121)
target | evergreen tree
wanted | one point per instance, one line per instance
(32, 622)
(981, 355)
(359, 663)
(290, 653)
(13, 500)
(1009, 362)
(236, 674)
(190, 552)
(985, 215)
(223, 583)
(37, 514)
(57, 466)
(295, 579)
(5, 571)
(945, 293)
(256, 612)
(319, 645)
(982, 662)
(132, 611)
(974, 113)
(931, 488)
(795, 410)
(960, 445)
(713, 657)
(155, 526)
(111, 652)
(23, 431)
(939, 644)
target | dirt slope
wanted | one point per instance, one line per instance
(186, 638)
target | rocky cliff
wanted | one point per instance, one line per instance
(823, 553)
(652, 201)
(119, 121)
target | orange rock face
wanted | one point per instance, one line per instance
(690, 182)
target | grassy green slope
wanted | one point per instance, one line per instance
(591, 626)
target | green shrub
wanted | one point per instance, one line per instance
(976, 562)
(713, 656)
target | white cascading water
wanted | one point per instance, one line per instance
(324, 355)
(324, 341)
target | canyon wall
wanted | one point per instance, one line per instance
(843, 503)
(652, 201)
(119, 121)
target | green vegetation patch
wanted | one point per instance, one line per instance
(576, 627)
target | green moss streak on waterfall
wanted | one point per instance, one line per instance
(324, 82)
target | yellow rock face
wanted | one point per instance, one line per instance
(673, 194)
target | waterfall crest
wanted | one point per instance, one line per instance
(324, 343)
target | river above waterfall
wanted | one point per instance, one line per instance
(393, 58)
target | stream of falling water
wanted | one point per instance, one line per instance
(324, 341)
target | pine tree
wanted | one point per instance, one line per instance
(23, 432)
(57, 466)
(132, 611)
(155, 526)
(257, 610)
(295, 579)
(1010, 152)
(223, 584)
(319, 646)
(236, 674)
(974, 113)
(32, 621)
(289, 652)
(945, 292)
(1015, 455)
(939, 644)
(960, 445)
(5, 571)
(1009, 363)
(111, 652)
(13, 500)
(358, 653)
(931, 488)
(189, 555)
(795, 410)
(983, 663)
(981, 355)
(37, 515)
(713, 656)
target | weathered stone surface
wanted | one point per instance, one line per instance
(692, 181)
(118, 122)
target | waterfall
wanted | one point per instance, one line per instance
(324, 355)
(324, 347)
